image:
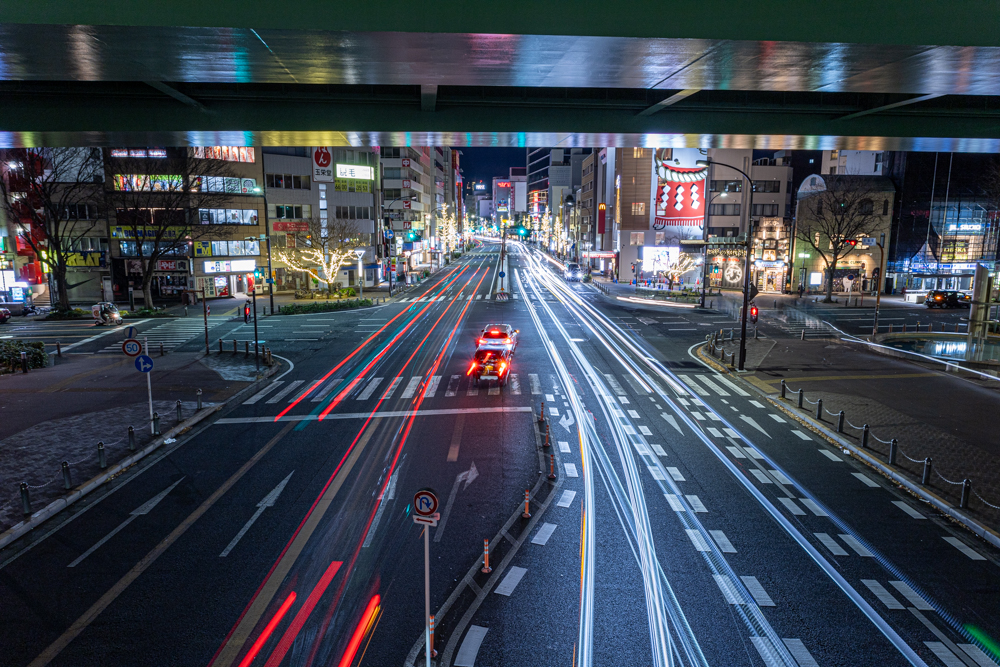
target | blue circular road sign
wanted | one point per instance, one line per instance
(143, 364)
(388, 233)
(502, 274)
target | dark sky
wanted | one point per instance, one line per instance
(486, 163)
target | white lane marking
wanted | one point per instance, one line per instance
(629, 430)
(370, 389)
(466, 656)
(636, 385)
(698, 389)
(284, 392)
(698, 540)
(676, 475)
(754, 454)
(760, 596)
(673, 422)
(326, 389)
(267, 501)
(711, 385)
(696, 504)
(726, 585)
(656, 473)
(566, 499)
(731, 433)
(645, 430)
(634, 414)
(736, 452)
(801, 435)
(570, 470)
(684, 402)
(866, 480)
(473, 389)
(977, 654)
(724, 544)
(909, 510)
(768, 652)
(830, 544)
(964, 548)
(777, 419)
(494, 390)
(432, 386)
(478, 297)
(714, 417)
(658, 450)
(554, 411)
(756, 404)
(536, 386)
(753, 423)
(675, 502)
(510, 581)
(714, 431)
(564, 447)
(411, 386)
(813, 507)
(389, 494)
(467, 476)
(515, 384)
(800, 653)
(263, 392)
(780, 476)
(623, 400)
(550, 398)
(852, 542)
(452, 389)
(613, 383)
(141, 510)
(392, 387)
(543, 534)
(792, 507)
(761, 477)
(697, 415)
(944, 655)
(732, 385)
(830, 455)
(884, 596)
(911, 596)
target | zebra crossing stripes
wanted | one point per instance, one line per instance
(263, 392)
(367, 392)
(284, 392)
(171, 334)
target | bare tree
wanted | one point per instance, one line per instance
(157, 204)
(53, 198)
(322, 248)
(829, 220)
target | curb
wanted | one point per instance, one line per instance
(37, 518)
(834, 438)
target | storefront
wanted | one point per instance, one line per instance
(725, 266)
(226, 278)
(770, 275)
(603, 261)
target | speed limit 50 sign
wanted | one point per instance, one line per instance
(132, 347)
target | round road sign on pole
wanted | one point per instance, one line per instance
(143, 364)
(425, 502)
(132, 347)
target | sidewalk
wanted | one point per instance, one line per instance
(61, 412)
(929, 412)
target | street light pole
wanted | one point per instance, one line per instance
(878, 285)
(267, 238)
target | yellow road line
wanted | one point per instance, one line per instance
(260, 604)
(105, 601)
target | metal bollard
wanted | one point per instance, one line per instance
(220, 346)
(198, 394)
(802, 395)
(802, 335)
(67, 480)
(864, 437)
(156, 423)
(926, 477)
(161, 349)
(102, 459)
(246, 351)
(25, 499)
(180, 416)
(783, 388)
(904, 327)
(24, 362)
(963, 503)
(131, 439)
(755, 333)
(58, 349)
(819, 409)
(234, 346)
(892, 451)
(840, 422)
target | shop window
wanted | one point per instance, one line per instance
(637, 238)
(866, 207)
(724, 209)
(639, 207)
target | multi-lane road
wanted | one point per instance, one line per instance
(688, 521)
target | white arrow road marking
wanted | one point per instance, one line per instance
(145, 508)
(468, 476)
(389, 494)
(567, 421)
(266, 501)
(750, 421)
(673, 422)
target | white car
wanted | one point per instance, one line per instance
(573, 272)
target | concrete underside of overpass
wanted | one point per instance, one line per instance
(850, 74)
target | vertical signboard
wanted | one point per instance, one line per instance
(322, 164)
(681, 197)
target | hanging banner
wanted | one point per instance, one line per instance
(679, 206)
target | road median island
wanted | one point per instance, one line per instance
(32, 456)
(897, 431)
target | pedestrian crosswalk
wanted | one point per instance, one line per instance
(797, 324)
(460, 297)
(171, 334)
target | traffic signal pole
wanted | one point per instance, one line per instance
(746, 297)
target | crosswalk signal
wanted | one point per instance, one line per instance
(753, 313)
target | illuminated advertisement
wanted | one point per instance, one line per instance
(231, 266)
(355, 171)
(148, 182)
(659, 259)
(227, 153)
(679, 206)
(479, 186)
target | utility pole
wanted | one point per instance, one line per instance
(878, 285)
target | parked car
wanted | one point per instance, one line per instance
(946, 299)
(4, 315)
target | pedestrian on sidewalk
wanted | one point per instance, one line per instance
(802, 288)
(246, 312)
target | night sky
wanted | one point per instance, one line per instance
(486, 163)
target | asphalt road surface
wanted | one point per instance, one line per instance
(688, 522)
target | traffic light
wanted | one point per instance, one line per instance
(521, 231)
(412, 236)
(258, 273)
(851, 242)
(753, 313)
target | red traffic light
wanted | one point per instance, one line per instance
(851, 242)
(753, 313)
